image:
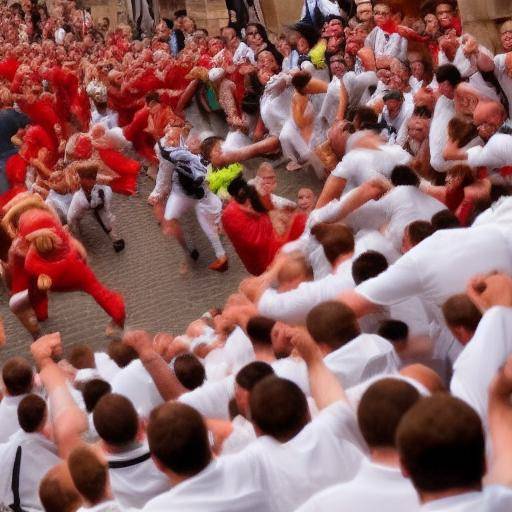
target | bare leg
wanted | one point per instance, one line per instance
(173, 229)
(20, 305)
(187, 96)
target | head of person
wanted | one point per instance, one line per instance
(364, 118)
(441, 446)
(92, 391)
(267, 175)
(367, 265)
(293, 272)
(229, 35)
(32, 414)
(364, 12)
(381, 14)
(431, 25)
(405, 176)
(246, 195)
(18, 376)
(211, 149)
(178, 441)
(506, 36)
(303, 37)
(116, 421)
(179, 16)
(121, 353)
(382, 407)
(488, 118)
(259, 329)
(81, 357)
(425, 98)
(418, 126)
(462, 317)
(163, 32)
(300, 80)
(278, 408)
(215, 45)
(337, 65)
(255, 36)
(427, 377)
(466, 99)
(245, 380)
(445, 219)
(57, 491)
(445, 14)
(306, 199)
(332, 325)
(268, 65)
(337, 241)
(448, 77)
(188, 25)
(338, 136)
(415, 233)
(189, 371)
(89, 474)
(459, 176)
(396, 332)
(334, 27)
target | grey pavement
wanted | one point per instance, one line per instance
(157, 297)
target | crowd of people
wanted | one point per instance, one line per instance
(365, 363)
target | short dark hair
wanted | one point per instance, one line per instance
(189, 371)
(393, 330)
(441, 444)
(31, 413)
(332, 323)
(445, 219)
(18, 376)
(300, 79)
(335, 239)
(152, 96)
(115, 419)
(121, 353)
(393, 95)
(459, 311)
(418, 231)
(252, 373)
(56, 495)
(178, 438)
(89, 474)
(259, 329)
(278, 408)
(208, 144)
(92, 391)
(82, 357)
(367, 265)
(169, 23)
(381, 408)
(423, 112)
(368, 118)
(448, 73)
(404, 175)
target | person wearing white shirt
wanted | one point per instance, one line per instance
(397, 111)
(366, 157)
(441, 444)
(26, 457)
(90, 478)
(323, 7)
(18, 379)
(460, 255)
(503, 61)
(134, 478)
(380, 410)
(179, 443)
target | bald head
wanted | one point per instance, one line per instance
(488, 117)
(425, 376)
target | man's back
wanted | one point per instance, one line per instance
(219, 487)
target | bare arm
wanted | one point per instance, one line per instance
(326, 389)
(360, 305)
(68, 421)
(168, 385)
(333, 189)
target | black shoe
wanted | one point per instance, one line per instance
(194, 254)
(118, 245)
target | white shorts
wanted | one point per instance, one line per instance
(177, 205)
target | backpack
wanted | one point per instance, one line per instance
(190, 168)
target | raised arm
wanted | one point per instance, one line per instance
(168, 385)
(68, 421)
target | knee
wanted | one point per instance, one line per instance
(170, 227)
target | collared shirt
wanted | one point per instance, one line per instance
(9, 416)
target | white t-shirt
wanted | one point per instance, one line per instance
(383, 44)
(360, 165)
(481, 359)
(106, 506)
(495, 154)
(9, 416)
(375, 487)
(492, 499)
(401, 206)
(38, 455)
(293, 307)
(438, 135)
(134, 478)
(505, 81)
(220, 487)
(362, 358)
(440, 267)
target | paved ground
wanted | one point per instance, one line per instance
(157, 296)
